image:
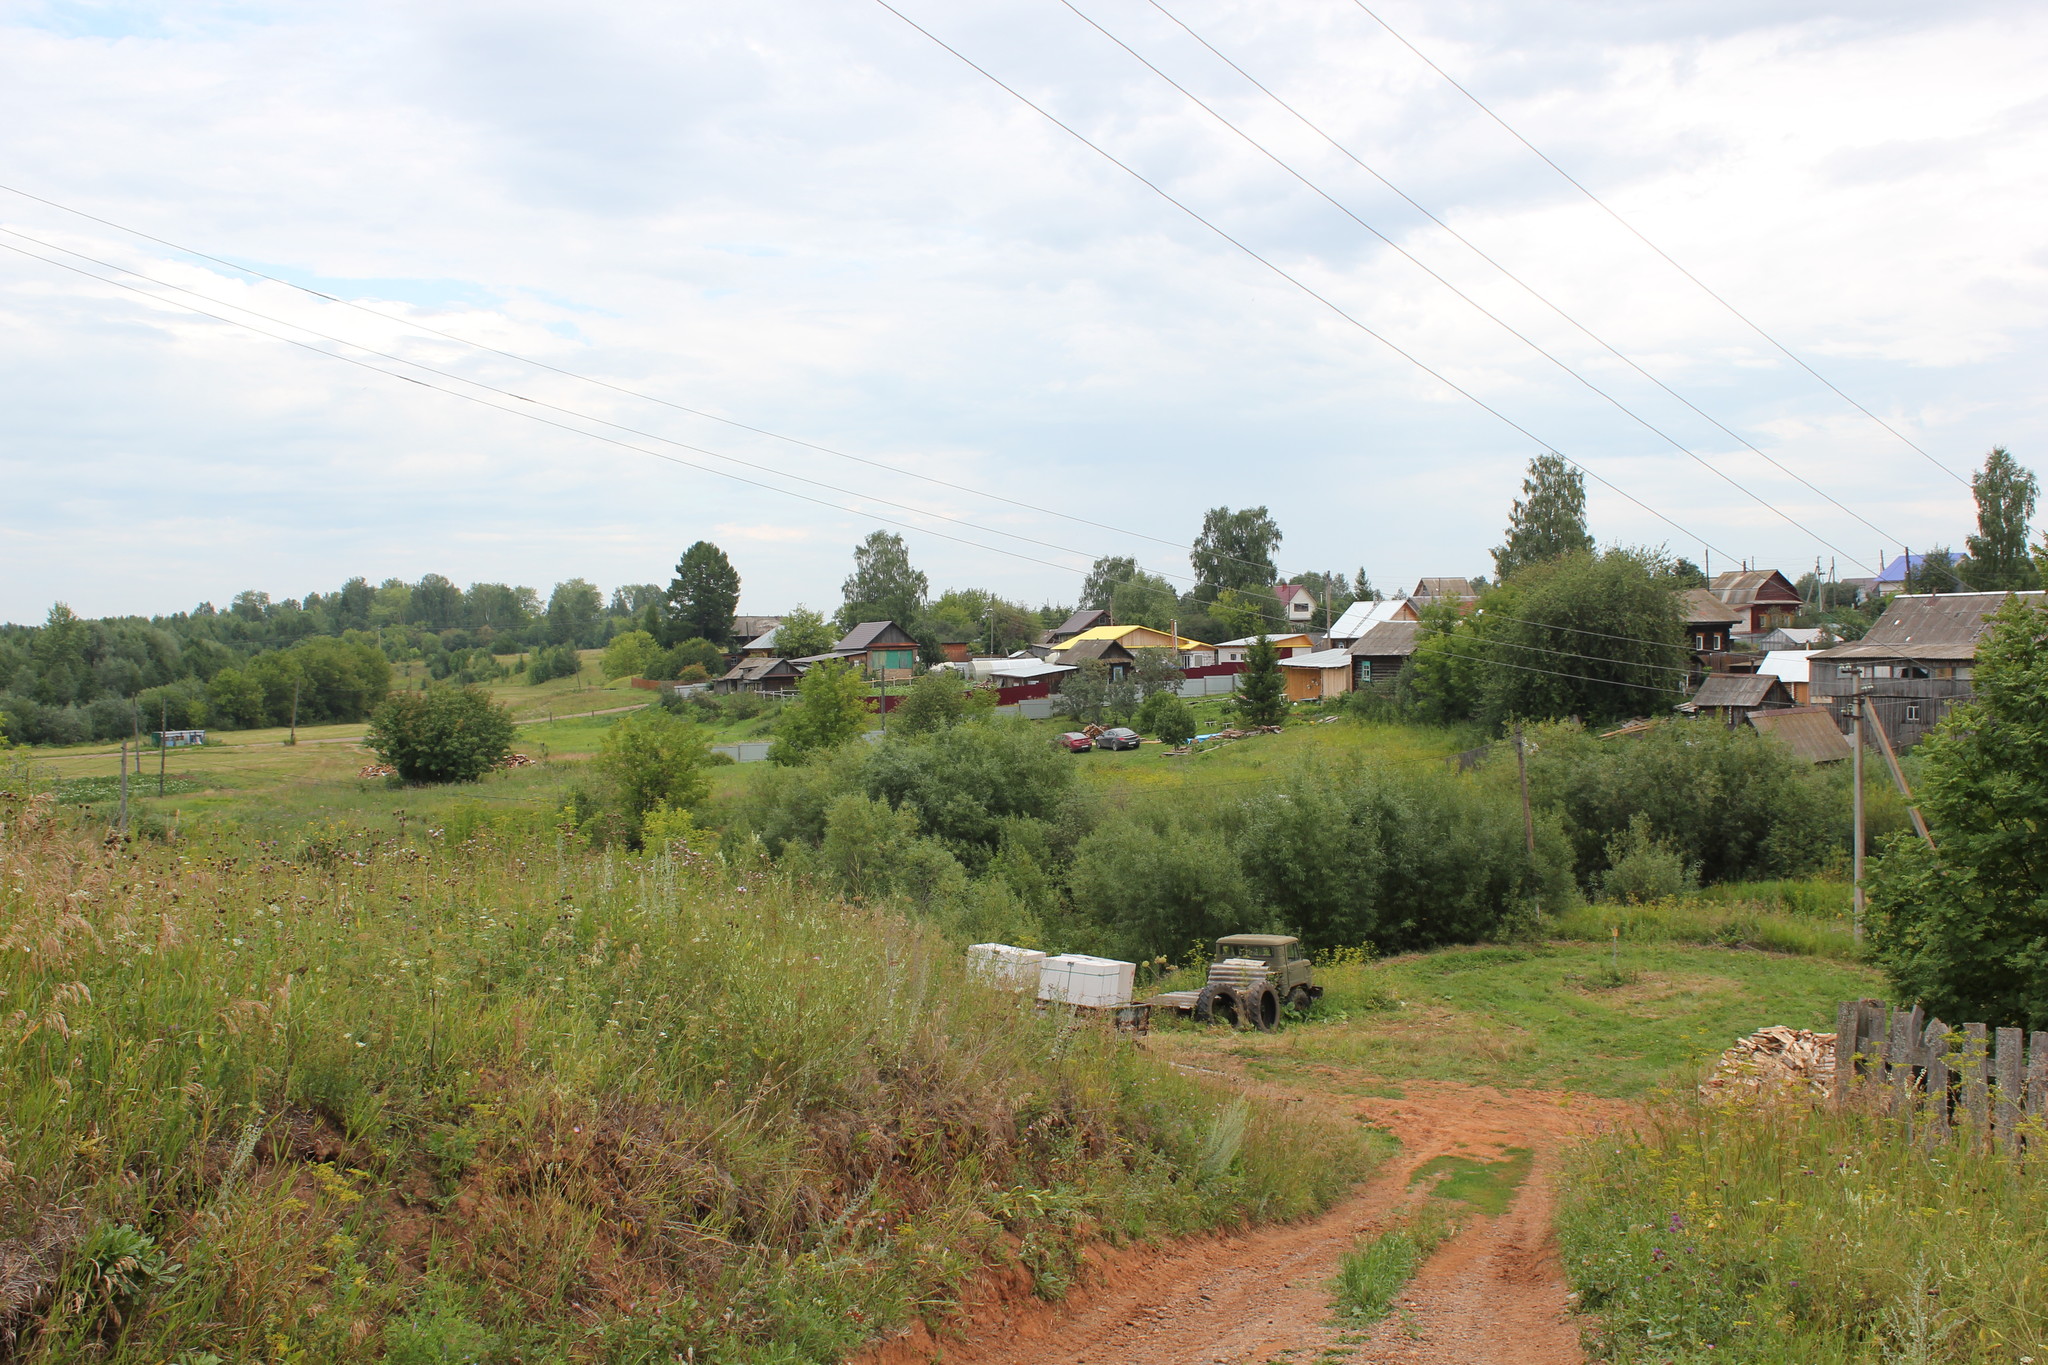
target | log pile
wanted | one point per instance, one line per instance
(1774, 1060)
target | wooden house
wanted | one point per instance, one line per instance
(1915, 664)
(758, 675)
(880, 649)
(1763, 599)
(1360, 617)
(1456, 592)
(1110, 652)
(1379, 656)
(1708, 620)
(1086, 619)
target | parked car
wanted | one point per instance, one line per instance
(1119, 738)
(1076, 742)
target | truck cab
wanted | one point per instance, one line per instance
(1286, 966)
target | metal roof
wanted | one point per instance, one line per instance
(1927, 626)
(1734, 689)
(1360, 617)
(1122, 632)
(1322, 658)
(1092, 648)
(1809, 731)
(1790, 665)
(1082, 620)
(1260, 940)
(1283, 641)
(1740, 587)
(868, 634)
(1387, 640)
(1701, 606)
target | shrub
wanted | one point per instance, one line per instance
(1167, 717)
(443, 734)
(556, 661)
(629, 655)
(831, 709)
(1641, 868)
(935, 701)
(651, 759)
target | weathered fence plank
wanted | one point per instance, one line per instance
(1936, 1049)
(2037, 1077)
(1900, 1057)
(2010, 1072)
(1848, 1015)
(1976, 1090)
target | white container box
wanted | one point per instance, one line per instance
(1004, 967)
(1079, 979)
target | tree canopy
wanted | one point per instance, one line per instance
(803, 633)
(1103, 578)
(703, 595)
(883, 586)
(2006, 491)
(1548, 521)
(1235, 550)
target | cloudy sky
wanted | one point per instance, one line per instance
(810, 219)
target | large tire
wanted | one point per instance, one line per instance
(1218, 1004)
(1261, 1008)
(1298, 1000)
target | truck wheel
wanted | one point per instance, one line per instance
(1299, 1000)
(1217, 1004)
(1262, 1008)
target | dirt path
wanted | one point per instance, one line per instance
(1494, 1293)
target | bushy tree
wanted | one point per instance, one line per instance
(2005, 491)
(804, 633)
(1248, 611)
(629, 655)
(703, 595)
(671, 664)
(1548, 520)
(1103, 578)
(1235, 550)
(1261, 697)
(574, 611)
(990, 621)
(1159, 885)
(236, 700)
(1963, 928)
(1445, 680)
(968, 783)
(934, 701)
(1937, 571)
(1154, 671)
(652, 758)
(1144, 599)
(1092, 695)
(557, 661)
(1592, 635)
(444, 734)
(872, 850)
(831, 709)
(883, 586)
(1167, 718)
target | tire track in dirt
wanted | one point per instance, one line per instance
(1495, 1292)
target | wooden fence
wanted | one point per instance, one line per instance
(1988, 1085)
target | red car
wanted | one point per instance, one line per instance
(1075, 742)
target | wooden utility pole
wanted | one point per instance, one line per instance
(1522, 769)
(163, 719)
(1856, 780)
(124, 786)
(295, 714)
(1884, 744)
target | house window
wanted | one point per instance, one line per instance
(1699, 641)
(1912, 710)
(1845, 670)
(1912, 671)
(1364, 678)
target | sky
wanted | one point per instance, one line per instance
(959, 322)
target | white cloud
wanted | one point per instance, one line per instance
(809, 219)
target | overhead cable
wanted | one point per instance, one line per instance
(1638, 235)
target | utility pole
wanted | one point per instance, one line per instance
(124, 787)
(295, 714)
(1856, 780)
(163, 719)
(1522, 769)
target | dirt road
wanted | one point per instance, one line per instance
(1493, 1293)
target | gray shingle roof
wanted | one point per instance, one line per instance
(1930, 626)
(1388, 639)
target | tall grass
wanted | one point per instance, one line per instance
(363, 1097)
(1779, 1232)
(1717, 920)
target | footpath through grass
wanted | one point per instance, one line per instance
(354, 1096)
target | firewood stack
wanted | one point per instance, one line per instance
(1774, 1060)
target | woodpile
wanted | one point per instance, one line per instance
(1774, 1060)
(515, 761)
(377, 770)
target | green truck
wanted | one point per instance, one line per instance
(1252, 978)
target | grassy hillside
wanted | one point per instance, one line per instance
(348, 1095)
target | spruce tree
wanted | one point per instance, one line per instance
(703, 595)
(1261, 690)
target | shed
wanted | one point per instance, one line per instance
(1733, 697)
(1360, 617)
(1311, 677)
(1791, 667)
(1380, 655)
(1808, 731)
(758, 675)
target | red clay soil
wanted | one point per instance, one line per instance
(1493, 1293)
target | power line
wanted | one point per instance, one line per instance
(1526, 287)
(571, 374)
(1632, 230)
(508, 393)
(1478, 307)
(546, 421)
(1304, 287)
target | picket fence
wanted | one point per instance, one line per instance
(1989, 1086)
